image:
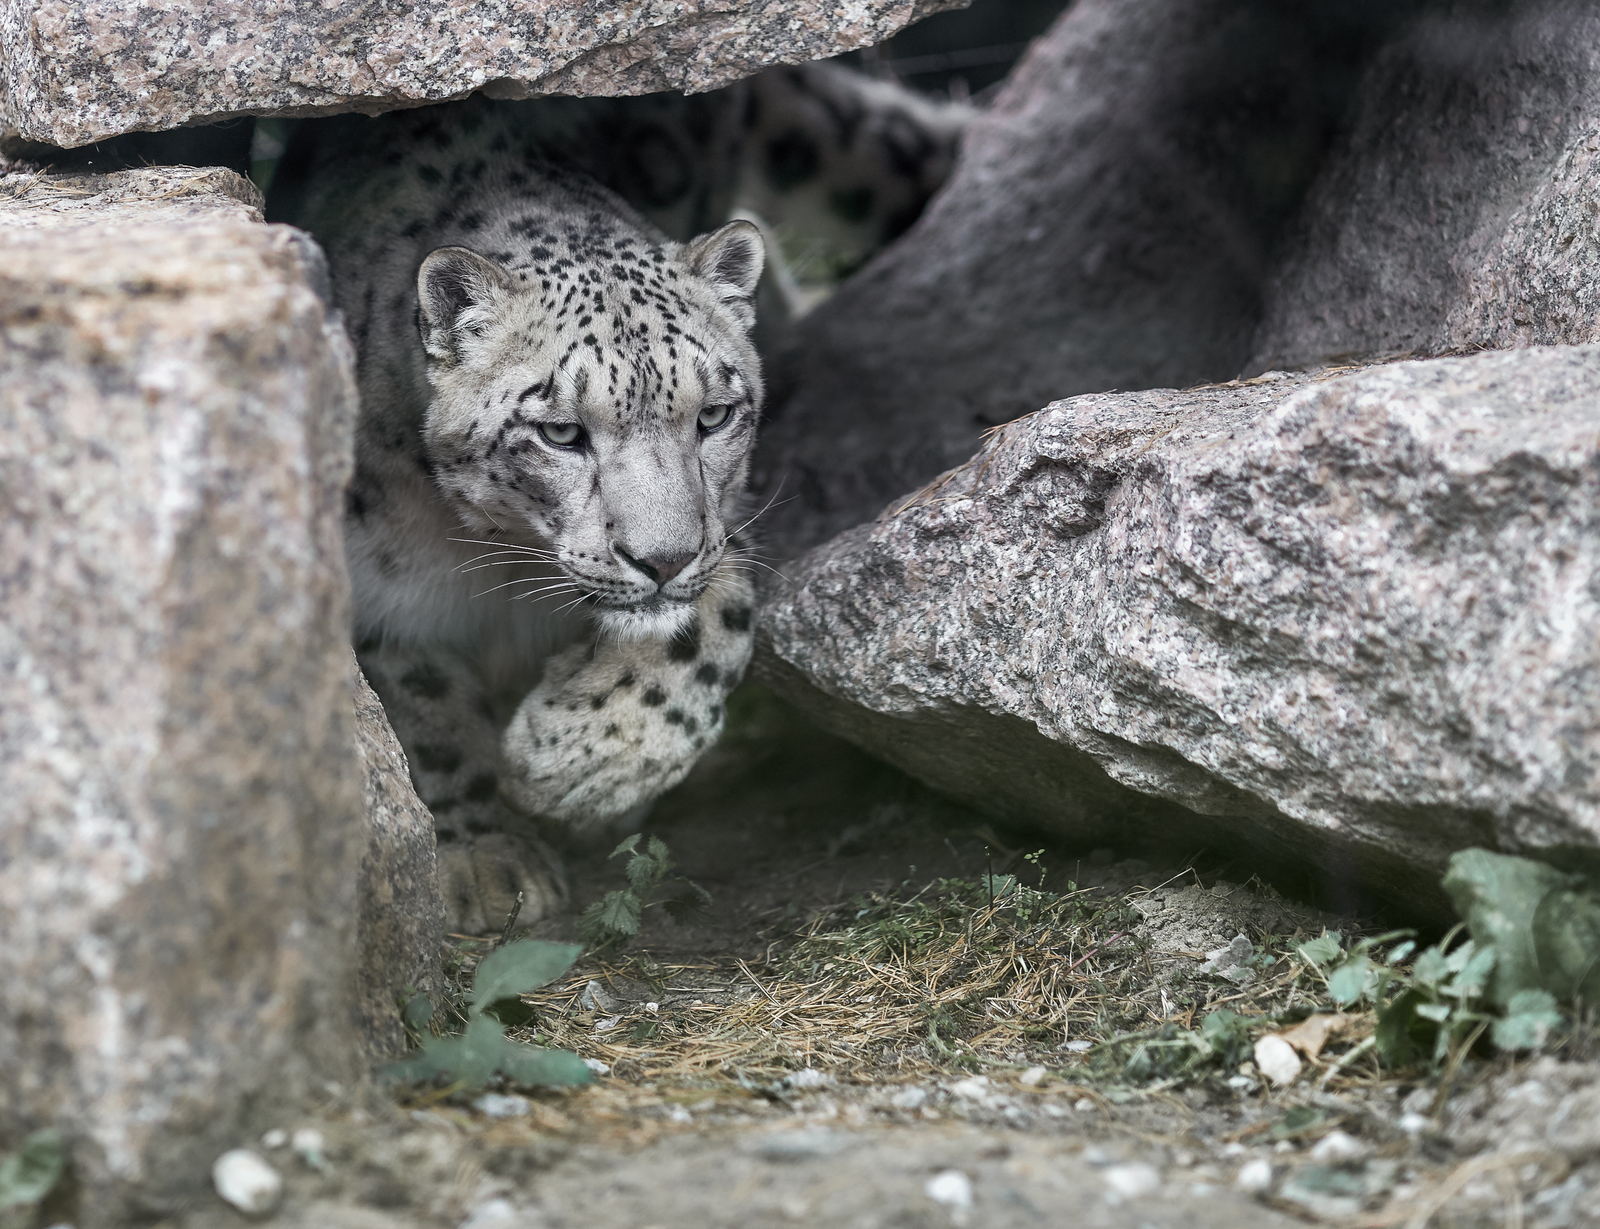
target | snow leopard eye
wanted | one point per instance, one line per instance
(561, 434)
(713, 416)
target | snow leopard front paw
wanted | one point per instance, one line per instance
(481, 875)
(613, 725)
(487, 853)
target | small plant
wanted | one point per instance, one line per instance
(1436, 1005)
(28, 1175)
(614, 919)
(482, 1050)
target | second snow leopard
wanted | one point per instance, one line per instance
(558, 406)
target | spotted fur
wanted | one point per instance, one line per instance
(559, 396)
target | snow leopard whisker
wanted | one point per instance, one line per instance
(523, 580)
(767, 507)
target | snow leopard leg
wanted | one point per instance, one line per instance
(487, 852)
(614, 724)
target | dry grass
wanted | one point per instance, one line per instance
(943, 982)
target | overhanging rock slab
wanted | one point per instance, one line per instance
(1341, 623)
(71, 73)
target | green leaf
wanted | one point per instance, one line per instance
(658, 851)
(628, 846)
(480, 1052)
(1400, 951)
(619, 912)
(518, 968)
(1349, 980)
(1223, 1028)
(1472, 970)
(1566, 941)
(1499, 897)
(28, 1174)
(1323, 950)
(642, 872)
(998, 887)
(1431, 968)
(418, 1013)
(1437, 1012)
(536, 1066)
(1397, 1033)
(1531, 1015)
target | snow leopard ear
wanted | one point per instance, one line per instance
(451, 282)
(730, 259)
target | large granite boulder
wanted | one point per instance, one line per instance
(1339, 623)
(183, 839)
(75, 73)
(1458, 212)
(1109, 225)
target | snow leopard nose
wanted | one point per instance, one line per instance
(659, 568)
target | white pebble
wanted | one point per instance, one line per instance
(500, 1105)
(1084, 1105)
(1032, 1076)
(972, 1086)
(1078, 1047)
(1414, 1124)
(909, 1099)
(495, 1214)
(308, 1143)
(652, 1006)
(598, 1067)
(1132, 1179)
(809, 1077)
(1277, 1060)
(275, 1138)
(1254, 1176)
(952, 1188)
(1337, 1146)
(679, 1113)
(247, 1182)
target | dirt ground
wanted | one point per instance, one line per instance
(751, 1078)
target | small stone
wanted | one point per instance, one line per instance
(1277, 1060)
(1338, 1146)
(308, 1143)
(652, 1006)
(801, 1145)
(498, 1105)
(1254, 1176)
(1032, 1077)
(1415, 1124)
(679, 1114)
(1133, 1179)
(1078, 1047)
(808, 1078)
(275, 1138)
(598, 1067)
(973, 1086)
(1084, 1105)
(1241, 1082)
(608, 1024)
(909, 1099)
(951, 1188)
(247, 1182)
(495, 1214)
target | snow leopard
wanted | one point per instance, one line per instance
(553, 322)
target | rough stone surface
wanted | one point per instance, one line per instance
(1460, 210)
(1108, 226)
(71, 73)
(1344, 623)
(181, 838)
(400, 918)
